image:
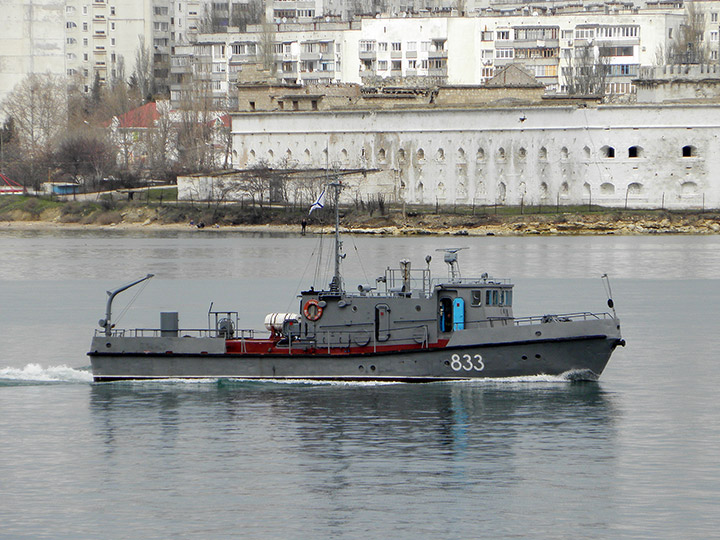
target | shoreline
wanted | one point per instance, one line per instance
(516, 226)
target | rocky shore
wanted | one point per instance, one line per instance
(395, 223)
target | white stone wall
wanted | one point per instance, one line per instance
(488, 156)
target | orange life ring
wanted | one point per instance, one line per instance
(315, 314)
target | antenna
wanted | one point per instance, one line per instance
(452, 261)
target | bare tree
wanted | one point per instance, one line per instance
(690, 47)
(587, 72)
(211, 22)
(143, 74)
(38, 107)
(196, 126)
(84, 155)
(266, 49)
(243, 14)
(160, 139)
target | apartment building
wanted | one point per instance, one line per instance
(438, 50)
(312, 53)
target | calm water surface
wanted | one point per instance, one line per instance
(633, 456)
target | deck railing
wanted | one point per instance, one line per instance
(182, 332)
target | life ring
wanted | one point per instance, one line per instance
(310, 313)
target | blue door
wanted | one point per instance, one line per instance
(458, 314)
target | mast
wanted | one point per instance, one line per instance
(336, 283)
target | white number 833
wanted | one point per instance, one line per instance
(467, 362)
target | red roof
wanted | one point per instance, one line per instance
(142, 117)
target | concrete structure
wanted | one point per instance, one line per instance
(32, 40)
(640, 156)
(679, 84)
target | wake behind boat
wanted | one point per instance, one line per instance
(407, 326)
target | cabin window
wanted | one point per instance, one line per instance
(476, 298)
(495, 297)
(506, 298)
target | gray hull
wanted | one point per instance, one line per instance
(570, 350)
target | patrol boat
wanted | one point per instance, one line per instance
(407, 326)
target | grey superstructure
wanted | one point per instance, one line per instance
(414, 329)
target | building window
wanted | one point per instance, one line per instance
(689, 151)
(396, 65)
(502, 35)
(112, 10)
(382, 65)
(314, 104)
(382, 46)
(367, 46)
(397, 46)
(504, 53)
(252, 105)
(70, 25)
(608, 151)
(634, 152)
(296, 105)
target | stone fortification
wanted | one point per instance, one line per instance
(648, 156)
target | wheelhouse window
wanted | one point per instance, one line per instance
(476, 298)
(498, 297)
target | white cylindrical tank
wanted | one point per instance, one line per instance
(275, 321)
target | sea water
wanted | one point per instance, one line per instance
(632, 456)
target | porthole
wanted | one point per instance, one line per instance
(354, 308)
(538, 356)
(524, 357)
(418, 308)
(361, 368)
(372, 368)
(108, 345)
(538, 333)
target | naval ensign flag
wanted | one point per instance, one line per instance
(319, 203)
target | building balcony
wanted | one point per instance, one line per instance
(314, 75)
(395, 54)
(536, 43)
(437, 54)
(310, 56)
(441, 72)
(368, 55)
(410, 54)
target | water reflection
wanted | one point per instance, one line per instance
(333, 422)
(327, 450)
